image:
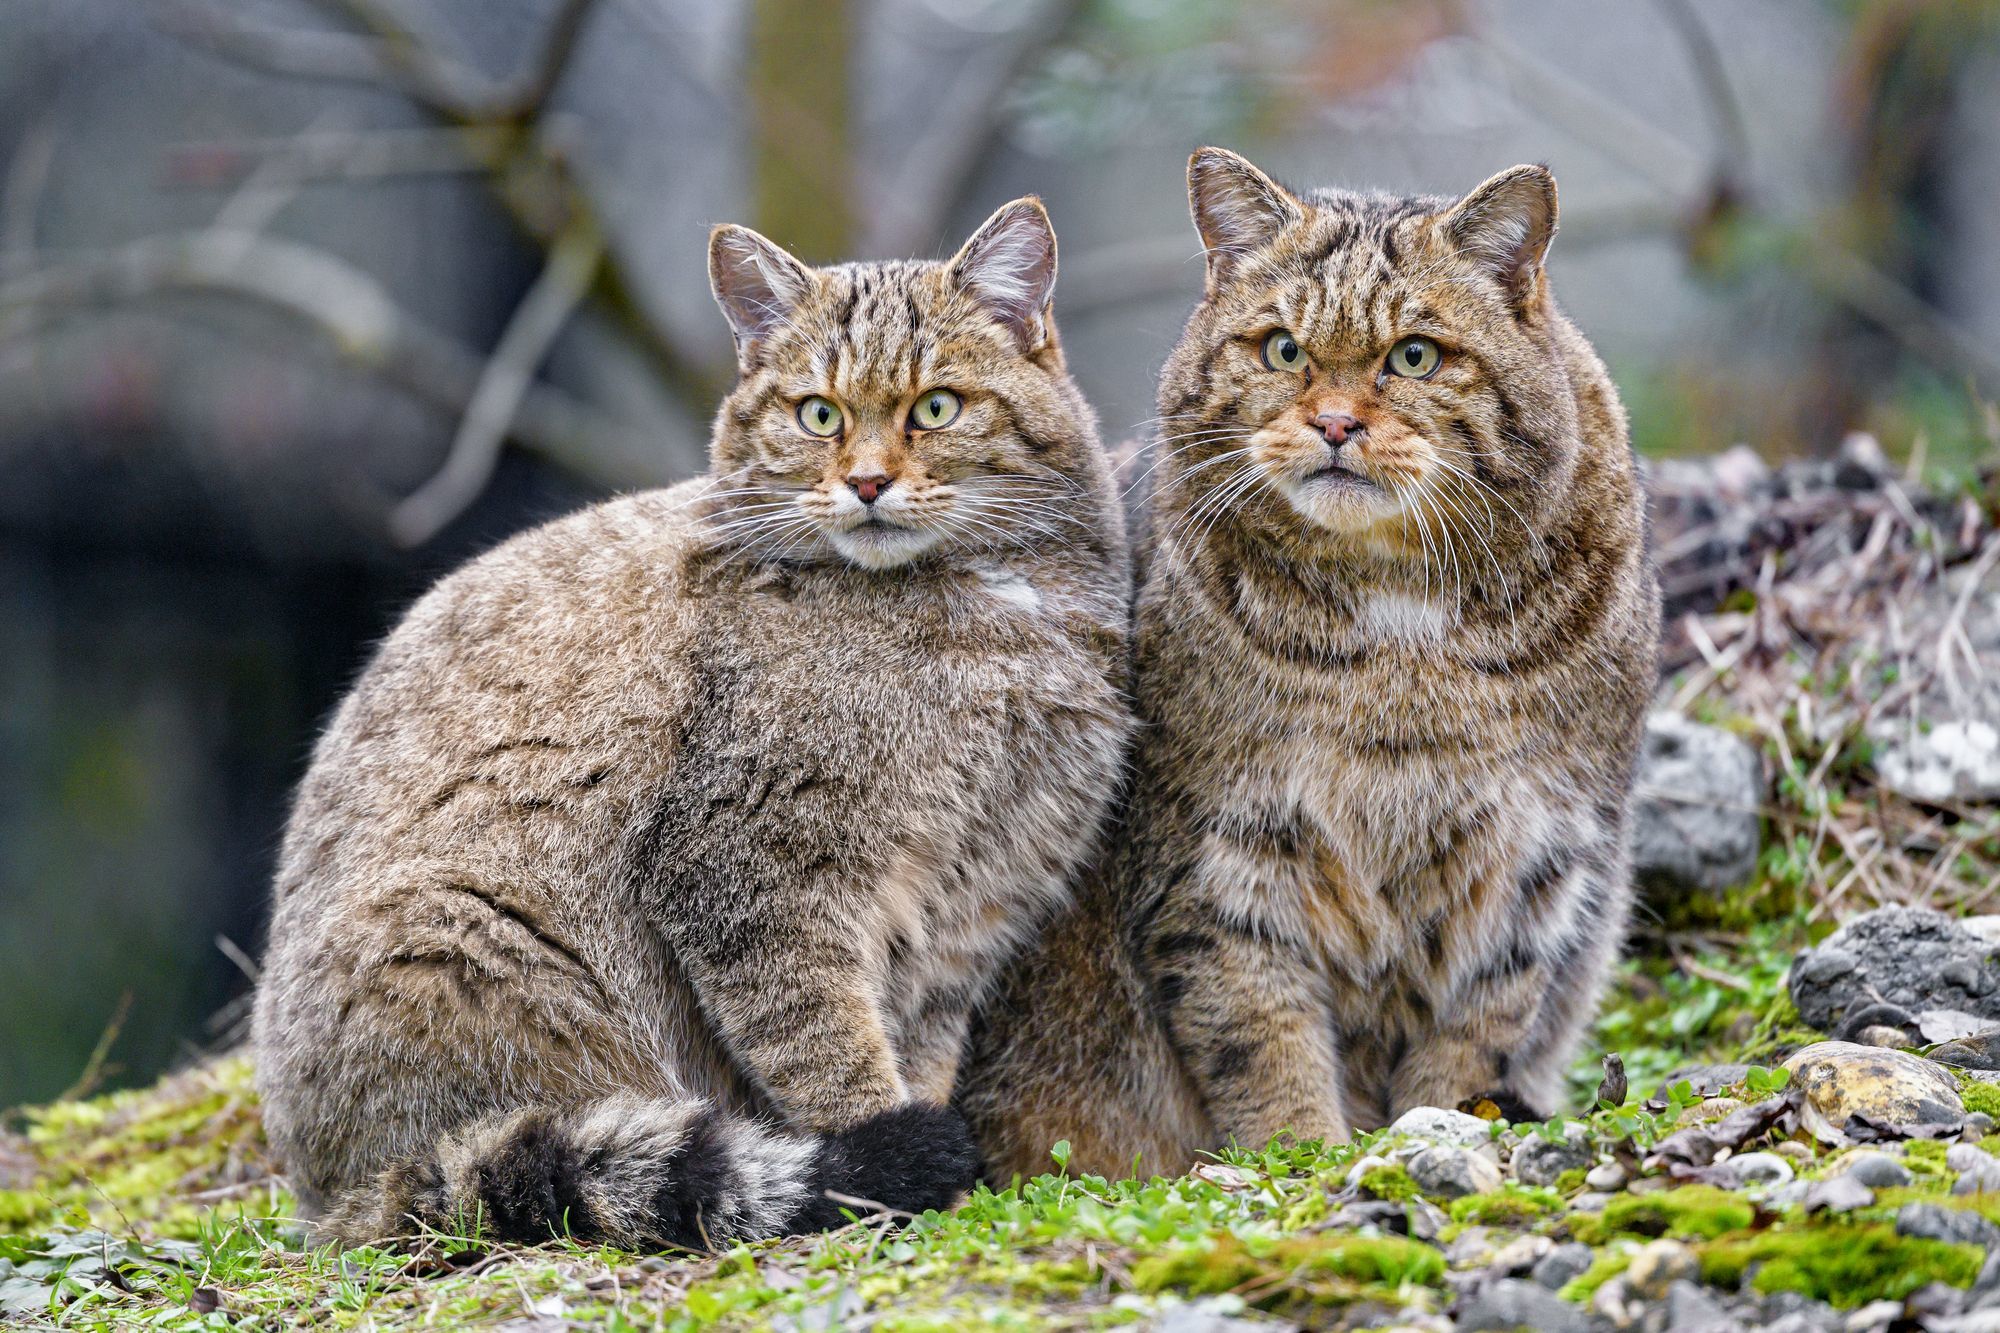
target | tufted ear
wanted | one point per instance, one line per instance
(1009, 267)
(757, 284)
(1236, 208)
(1507, 224)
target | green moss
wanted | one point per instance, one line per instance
(1843, 1265)
(1979, 1097)
(1508, 1206)
(1693, 1212)
(154, 1159)
(1392, 1183)
(1324, 1268)
(1602, 1269)
(1570, 1181)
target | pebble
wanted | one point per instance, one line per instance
(1450, 1173)
(1790, 1194)
(1876, 1170)
(1541, 1161)
(1511, 1303)
(1838, 1194)
(1979, 1123)
(1874, 1315)
(1760, 1168)
(1880, 1034)
(1520, 1254)
(1590, 1201)
(1607, 1177)
(1563, 1265)
(1690, 1309)
(1364, 1166)
(1435, 1124)
(1793, 1150)
(1930, 1221)
(1471, 1248)
(1658, 1265)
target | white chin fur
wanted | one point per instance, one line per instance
(875, 547)
(1338, 507)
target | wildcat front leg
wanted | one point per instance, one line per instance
(785, 980)
(1248, 1014)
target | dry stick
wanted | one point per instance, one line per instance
(509, 373)
(344, 304)
(93, 1068)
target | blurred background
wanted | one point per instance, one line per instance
(303, 301)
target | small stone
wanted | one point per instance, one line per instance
(1955, 1025)
(1521, 1254)
(1690, 1309)
(1471, 1248)
(1914, 958)
(1590, 1201)
(1790, 1194)
(1435, 1124)
(1563, 1265)
(1541, 1161)
(1511, 1304)
(1930, 1221)
(1838, 1194)
(1607, 1177)
(1979, 1124)
(1650, 1185)
(1708, 1112)
(1451, 1173)
(1876, 1170)
(1978, 1170)
(1207, 1314)
(1956, 760)
(1874, 1317)
(1658, 1265)
(1794, 1151)
(1840, 1079)
(1760, 1168)
(1427, 1220)
(1877, 1034)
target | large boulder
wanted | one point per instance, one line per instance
(1696, 824)
(1910, 957)
(1889, 1088)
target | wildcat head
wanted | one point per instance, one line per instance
(1364, 371)
(885, 412)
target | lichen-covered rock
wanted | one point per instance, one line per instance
(1910, 957)
(1980, 1052)
(1658, 1265)
(1512, 1303)
(1840, 1079)
(1695, 826)
(1540, 1161)
(1563, 1265)
(1958, 1226)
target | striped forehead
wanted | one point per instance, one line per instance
(876, 330)
(1345, 277)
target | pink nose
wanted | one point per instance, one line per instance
(1338, 426)
(870, 486)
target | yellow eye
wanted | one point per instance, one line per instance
(1415, 358)
(820, 417)
(935, 409)
(1282, 352)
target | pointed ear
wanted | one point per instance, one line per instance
(756, 283)
(1236, 207)
(1009, 267)
(1507, 224)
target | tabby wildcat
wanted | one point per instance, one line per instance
(642, 887)
(1395, 641)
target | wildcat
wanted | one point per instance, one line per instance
(1394, 644)
(642, 887)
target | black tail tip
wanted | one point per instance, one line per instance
(911, 1159)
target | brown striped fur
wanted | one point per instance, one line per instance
(1390, 686)
(647, 878)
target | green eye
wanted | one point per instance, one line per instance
(1414, 358)
(935, 409)
(1282, 352)
(820, 417)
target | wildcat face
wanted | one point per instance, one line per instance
(1366, 371)
(885, 412)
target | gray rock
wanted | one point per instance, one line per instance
(1658, 1264)
(1435, 1124)
(1607, 1177)
(1590, 1201)
(1695, 826)
(1841, 1080)
(1953, 1024)
(1976, 1052)
(1838, 1194)
(1908, 956)
(1790, 1194)
(1563, 1265)
(1511, 1304)
(1955, 760)
(1448, 1173)
(1210, 1314)
(1978, 1170)
(1930, 1221)
(1874, 1317)
(1690, 1309)
(1876, 1170)
(1541, 1161)
(1754, 1169)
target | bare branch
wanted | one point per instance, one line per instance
(330, 57)
(940, 167)
(1732, 127)
(508, 376)
(344, 305)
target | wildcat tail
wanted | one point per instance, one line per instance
(645, 1174)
